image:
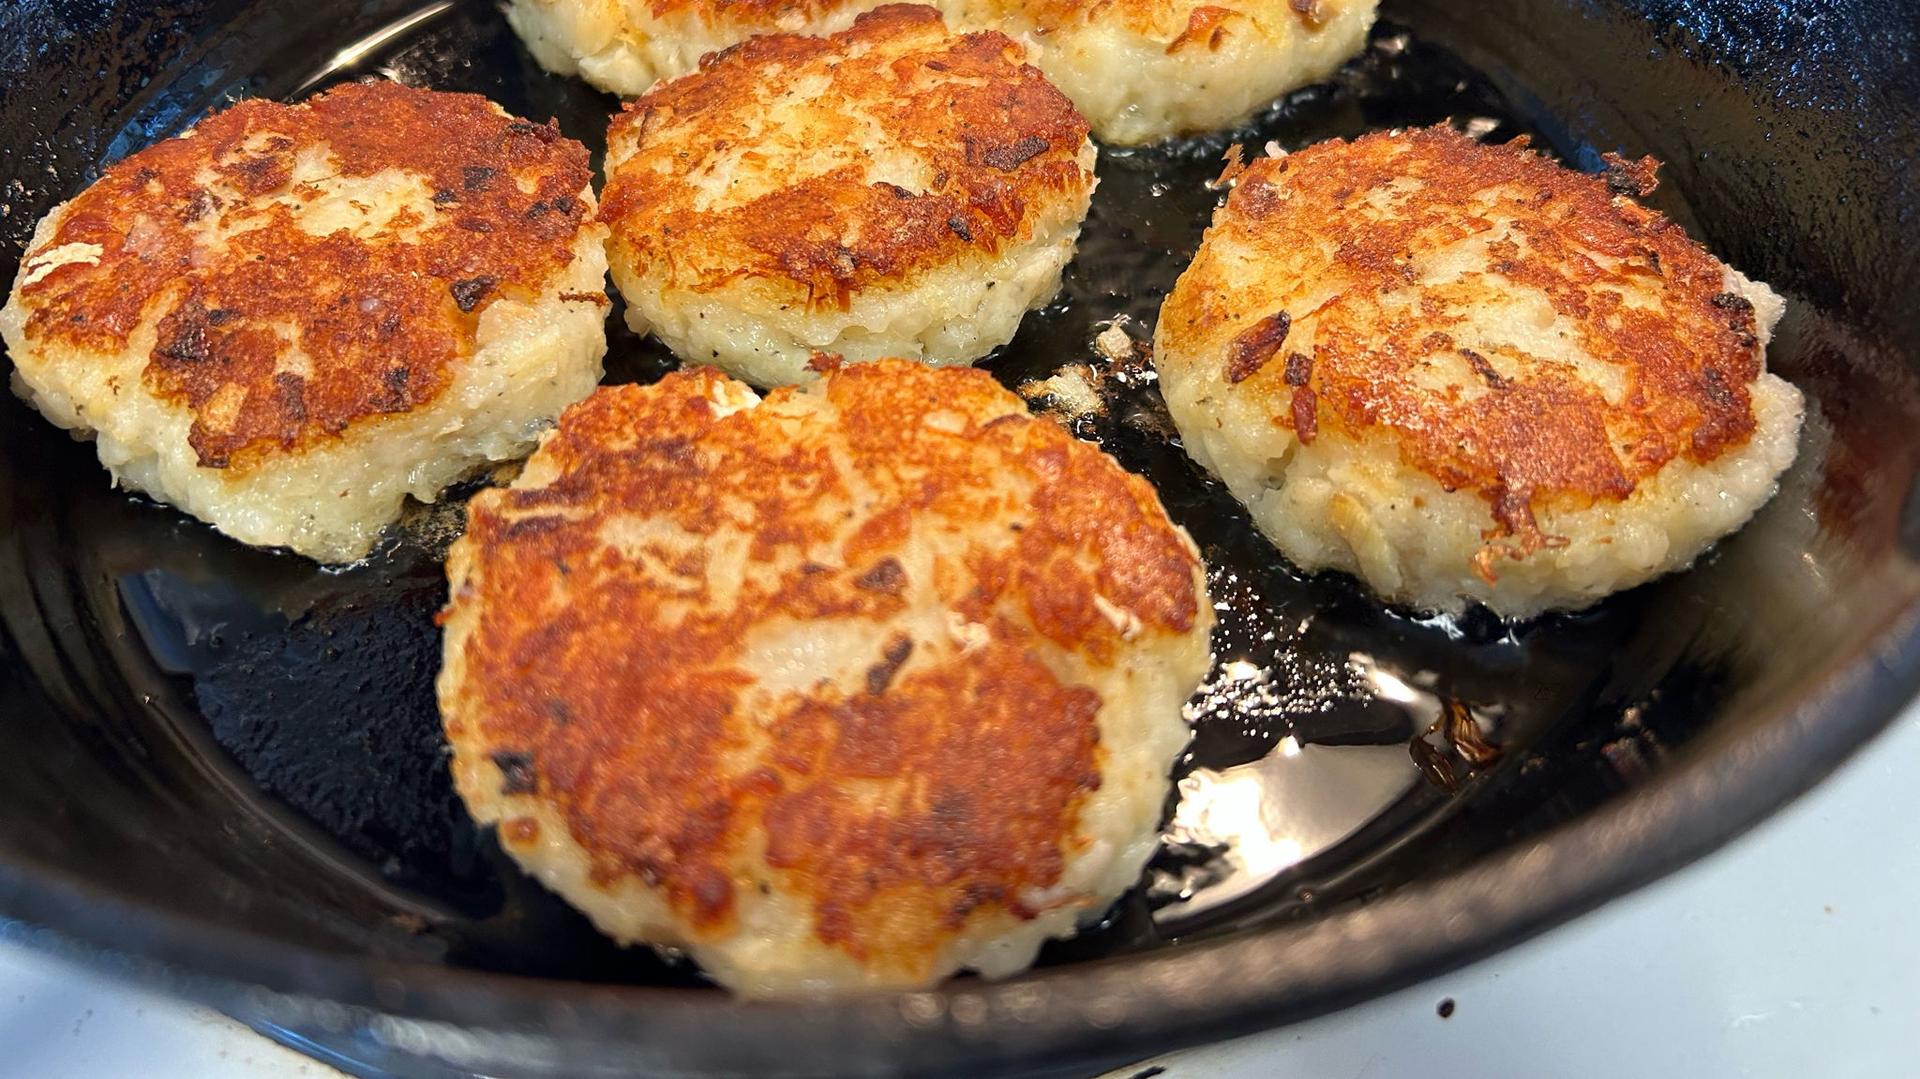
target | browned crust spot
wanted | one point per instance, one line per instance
(750, 14)
(1543, 436)
(948, 782)
(1206, 28)
(996, 139)
(382, 321)
(1178, 27)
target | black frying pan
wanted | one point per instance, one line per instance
(222, 767)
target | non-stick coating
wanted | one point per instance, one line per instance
(227, 760)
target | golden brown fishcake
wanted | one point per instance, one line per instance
(1181, 25)
(864, 670)
(751, 16)
(813, 167)
(1341, 334)
(1139, 70)
(276, 336)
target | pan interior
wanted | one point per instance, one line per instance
(262, 735)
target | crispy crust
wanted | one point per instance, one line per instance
(197, 237)
(1182, 24)
(1337, 233)
(750, 15)
(940, 779)
(990, 140)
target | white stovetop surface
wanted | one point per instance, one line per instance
(1795, 952)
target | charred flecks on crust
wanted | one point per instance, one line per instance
(1484, 369)
(887, 575)
(892, 785)
(1010, 156)
(994, 142)
(516, 772)
(1184, 26)
(236, 285)
(468, 292)
(880, 675)
(1631, 179)
(1524, 432)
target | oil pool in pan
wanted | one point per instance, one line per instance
(1329, 734)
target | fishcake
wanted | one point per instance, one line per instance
(849, 687)
(892, 190)
(1139, 70)
(1467, 374)
(290, 317)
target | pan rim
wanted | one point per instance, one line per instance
(1118, 1007)
(1115, 1008)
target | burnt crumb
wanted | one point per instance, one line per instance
(1741, 324)
(959, 226)
(1008, 158)
(220, 316)
(880, 675)
(1446, 1008)
(1235, 163)
(468, 293)
(557, 709)
(476, 224)
(291, 392)
(1254, 346)
(887, 575)
(542, 132)
(1632, 179)
(395, 380)
(259, 175)
(1715, 386)
(200, 205)
(895, 190)
(1484, 369)
(516, 772)
(183, 335)
(445, 196)
(1299, 370)
(477, 177)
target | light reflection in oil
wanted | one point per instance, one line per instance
(1236, 829)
